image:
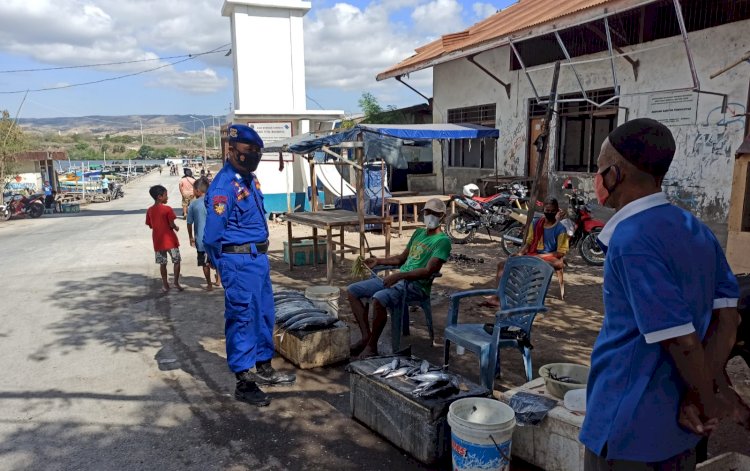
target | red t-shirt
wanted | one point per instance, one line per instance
(158, 218)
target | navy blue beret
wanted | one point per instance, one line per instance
(244, 134)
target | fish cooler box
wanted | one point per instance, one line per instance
(417, 425)
(312, 349)
(304, 253)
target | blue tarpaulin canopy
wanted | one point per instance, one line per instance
(431, 131)
(309, 143)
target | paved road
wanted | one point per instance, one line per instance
(82, 323)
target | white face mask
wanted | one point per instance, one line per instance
(431, 221)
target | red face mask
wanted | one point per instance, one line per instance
(600, 188)
(602, 194)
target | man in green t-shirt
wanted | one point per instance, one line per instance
(424, 256)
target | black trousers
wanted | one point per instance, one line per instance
(684, 461)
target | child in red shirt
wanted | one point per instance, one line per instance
(160, 218)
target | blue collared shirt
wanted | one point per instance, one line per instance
(664, 274)
(234, 212)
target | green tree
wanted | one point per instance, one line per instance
(146, 152)
(12, 141)
(118, 148)
(375, 114)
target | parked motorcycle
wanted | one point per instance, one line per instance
(4, 212)
(582, 228)
(20, 205)
(492, 213)
(116, 191)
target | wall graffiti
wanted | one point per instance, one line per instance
(713, 142)
(735, 114)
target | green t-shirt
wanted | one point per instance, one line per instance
(422, 248)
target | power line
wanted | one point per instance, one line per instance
(102, 64)
(109, 79)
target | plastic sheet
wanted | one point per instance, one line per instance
(531, 409)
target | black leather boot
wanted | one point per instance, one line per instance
(247, 391)
(266, 375)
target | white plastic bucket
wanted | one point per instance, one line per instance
(481, 433)
(324, 297)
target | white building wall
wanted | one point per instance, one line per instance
(269, 62)
(701, 174)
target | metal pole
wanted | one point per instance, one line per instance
(359, 153)
(683, 30)
(611, 56)
(542, 151)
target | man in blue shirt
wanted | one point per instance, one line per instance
(236, 242)
(657, 369)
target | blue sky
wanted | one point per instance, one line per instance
(87, 32)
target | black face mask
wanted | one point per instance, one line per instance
(249, 160)
(550, 216)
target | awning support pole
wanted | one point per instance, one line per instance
(683, 30)
(486, 71)
(398, 77)
(634, 63)
(570, 62)
(612, 57)
(523, 66)
(333, 154)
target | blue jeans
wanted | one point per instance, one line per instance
(390, 298)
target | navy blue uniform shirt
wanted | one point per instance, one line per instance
(234, 212)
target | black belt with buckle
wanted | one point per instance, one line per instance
(260, 247)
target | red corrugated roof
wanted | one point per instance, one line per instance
(515, 18)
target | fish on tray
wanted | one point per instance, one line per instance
(431, 376)
(283, 317)
(313, 323)
(304, 315)
(387, 368)
(399, 372)
(434, 388)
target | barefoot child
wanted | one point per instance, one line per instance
(160, 218)
(196, 215)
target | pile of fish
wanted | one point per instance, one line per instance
(430, 380)
(295, 312)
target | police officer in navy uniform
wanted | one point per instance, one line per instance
(236, 241)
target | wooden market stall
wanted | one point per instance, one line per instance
(358, 138)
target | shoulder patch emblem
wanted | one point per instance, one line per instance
(219, 208)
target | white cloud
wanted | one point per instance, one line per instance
(438, 17)
(77, 32)
(204, 81)
(346, 46)
(483, 10)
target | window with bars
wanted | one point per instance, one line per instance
(581, 128)
(473, 153)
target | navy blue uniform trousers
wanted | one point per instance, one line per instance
(248, 309)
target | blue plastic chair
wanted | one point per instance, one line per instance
(522, 290)
(400, 317)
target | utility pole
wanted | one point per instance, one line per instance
(204, 138)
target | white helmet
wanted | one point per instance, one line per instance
(471, 190)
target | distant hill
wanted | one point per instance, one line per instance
(102, 125)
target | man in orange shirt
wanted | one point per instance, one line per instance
(186, 190)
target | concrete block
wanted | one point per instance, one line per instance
(314, 349)
(552, 445)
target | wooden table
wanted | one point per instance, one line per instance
(414, 202)
(329, 220)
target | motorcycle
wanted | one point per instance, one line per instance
(116, 191)
(20, 205)
(493, 213)
(4, 212)
(581, 226)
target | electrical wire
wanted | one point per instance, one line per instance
(103, 64)
(108, 79)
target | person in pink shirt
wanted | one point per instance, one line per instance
(186, 190)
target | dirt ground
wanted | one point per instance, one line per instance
(565, 334)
